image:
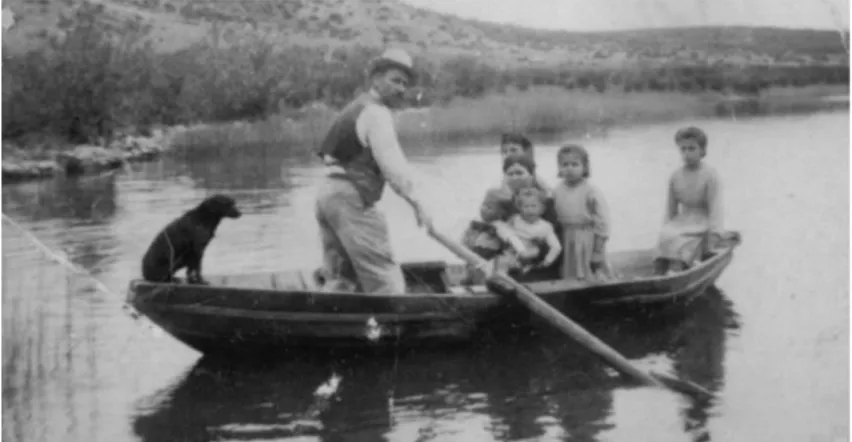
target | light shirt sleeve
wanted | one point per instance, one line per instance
(599, 212)
(375, 128)
(506, 231)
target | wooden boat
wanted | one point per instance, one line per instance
(276, 312)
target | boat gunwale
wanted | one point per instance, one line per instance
(478, 291)
(643, 298)
(291, 316)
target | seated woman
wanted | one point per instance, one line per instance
(485, 237)
(693, 209)
(515, 144)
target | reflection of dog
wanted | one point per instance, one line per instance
(183, 241)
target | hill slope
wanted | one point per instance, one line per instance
(178, 23)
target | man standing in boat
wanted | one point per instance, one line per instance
(362, 152)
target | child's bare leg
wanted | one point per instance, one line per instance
(604, 272)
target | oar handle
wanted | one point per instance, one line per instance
(461, 251)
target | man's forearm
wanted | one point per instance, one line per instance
(405, 189)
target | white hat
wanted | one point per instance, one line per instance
(395, 58)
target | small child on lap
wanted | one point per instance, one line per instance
(528, 234)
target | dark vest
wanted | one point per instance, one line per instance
(342, 143)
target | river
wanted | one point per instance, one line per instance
(772, 340)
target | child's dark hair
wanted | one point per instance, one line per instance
(692, 133)
(578, 150)
(516, 138)
(525, 162)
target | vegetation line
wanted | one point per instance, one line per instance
(89, 82)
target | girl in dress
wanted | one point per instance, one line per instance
(693, 209)
(583, 215)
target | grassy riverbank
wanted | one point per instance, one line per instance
(99, 79)
(534, 111)
(537, 110)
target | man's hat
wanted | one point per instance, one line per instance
(397, 59)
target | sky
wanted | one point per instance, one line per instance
(600, 15)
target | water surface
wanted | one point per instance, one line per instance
(772, 341)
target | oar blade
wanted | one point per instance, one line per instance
(504, 284)
(684, 386)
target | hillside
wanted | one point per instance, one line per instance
(176, 24)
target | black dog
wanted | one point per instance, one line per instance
(183, 241)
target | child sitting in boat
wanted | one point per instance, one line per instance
(693, 208)
(584, 217)
(528, 234)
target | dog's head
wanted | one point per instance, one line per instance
(220, 205)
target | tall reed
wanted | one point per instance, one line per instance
(536, 110)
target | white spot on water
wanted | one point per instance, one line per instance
(329, 388)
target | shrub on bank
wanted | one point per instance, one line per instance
(89, 83)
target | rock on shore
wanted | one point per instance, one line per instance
(20, 164)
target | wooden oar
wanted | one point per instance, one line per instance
(567, 326)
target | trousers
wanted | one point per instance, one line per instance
(355, 239)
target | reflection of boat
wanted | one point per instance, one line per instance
(556, 390)
(422, 394)
(275, 311)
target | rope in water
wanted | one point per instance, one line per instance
(129, 309)
(67, 264)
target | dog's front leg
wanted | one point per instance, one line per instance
(198, 278)
(193, 273)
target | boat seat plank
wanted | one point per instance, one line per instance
(217, 280)
(467, 289)
(297, 281)
(246, 281)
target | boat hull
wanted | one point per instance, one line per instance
(274, 314)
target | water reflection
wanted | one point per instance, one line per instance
(510, 390)
(254, 167)
(259, 402)
(690, 339)
(90, 199)
(79, 207)
(49, 351)
(73, 363)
